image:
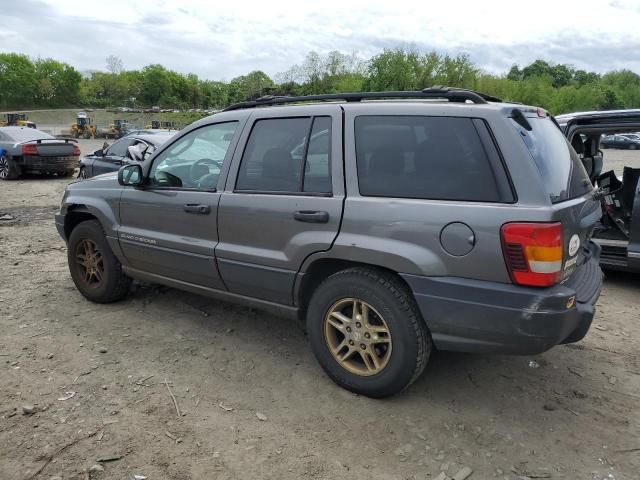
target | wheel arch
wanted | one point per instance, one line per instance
(317, 270)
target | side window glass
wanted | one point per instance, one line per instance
(118, 149)
(317, 172)
(195, 160)
(440, 158)
(273, 158)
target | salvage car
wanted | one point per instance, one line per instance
(618, 230)
(442, 219)
(111, 157)
(28, 150)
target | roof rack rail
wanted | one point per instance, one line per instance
(449, 93)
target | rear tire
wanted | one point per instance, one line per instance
(95, 270)
(375, 363)
(632, 147)
(9, 170)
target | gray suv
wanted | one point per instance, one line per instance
(393, 223)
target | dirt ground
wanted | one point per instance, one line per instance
(94, 377)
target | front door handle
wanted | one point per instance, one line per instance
(311, 216)
(197, 208)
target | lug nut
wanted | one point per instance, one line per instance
(348, 329)
(358, 324)
(367, 335)
(363, 346)
(351, 342)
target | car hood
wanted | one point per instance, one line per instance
(106, 180)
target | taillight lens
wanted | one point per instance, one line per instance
(29, 149)
(533, 252)
(76, 150)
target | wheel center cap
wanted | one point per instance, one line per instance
(357, 336)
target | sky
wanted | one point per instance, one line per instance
(221, 40)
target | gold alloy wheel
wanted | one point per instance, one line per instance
(357, 336)
(90, 263)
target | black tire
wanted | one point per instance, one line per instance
(632, 147)
(411, 343)
(114, 284)
(86, 134)
(9, 170)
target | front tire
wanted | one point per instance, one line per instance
(9, 170)
(367, 333)
(95, 270)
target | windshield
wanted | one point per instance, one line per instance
(560, 167)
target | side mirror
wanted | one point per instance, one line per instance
(130, 175)
(99, 153)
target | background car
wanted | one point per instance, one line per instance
(627, 141)
(28, 150)
(111, 157)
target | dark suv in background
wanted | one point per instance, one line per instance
(442, 218)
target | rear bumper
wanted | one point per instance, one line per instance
(490, 317)
(33, 163)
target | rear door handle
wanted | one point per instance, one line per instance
(311, 216)
(197, 208)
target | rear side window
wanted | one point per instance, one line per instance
(287, 155)
(560, 167)
(439, 158)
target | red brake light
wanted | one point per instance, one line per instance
(76, 150)
(533, 252)
(29, 149)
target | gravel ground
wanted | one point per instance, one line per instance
(85, 384)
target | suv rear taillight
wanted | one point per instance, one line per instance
(29, 149)
(76, 150)
(533, 253)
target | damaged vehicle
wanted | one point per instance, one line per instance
(618, 231)
(27, 150)
(121, 152)
(392, 223)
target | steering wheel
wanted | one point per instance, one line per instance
(194, 175)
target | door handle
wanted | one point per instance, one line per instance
(197, 208)
(311, 216)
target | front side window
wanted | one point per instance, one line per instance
(438, 158)
(195, 160)
(119, 148)
(287, 155)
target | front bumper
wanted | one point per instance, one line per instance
(490, 317)
(59, 219)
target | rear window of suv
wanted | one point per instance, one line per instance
(438, 158)
(560, 167)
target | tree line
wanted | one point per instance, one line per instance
(47, 83)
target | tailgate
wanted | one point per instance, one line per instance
(578, 217)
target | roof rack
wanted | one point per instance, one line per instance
(449, 93)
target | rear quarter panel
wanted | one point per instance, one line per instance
(404, 234)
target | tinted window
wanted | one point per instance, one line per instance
(119, 148)
(279, 151)
(195, 160)
(560, 167)
(440, 158)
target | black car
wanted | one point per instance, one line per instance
(125, 150)
(620, 141)
(27, 150)
(618, 231)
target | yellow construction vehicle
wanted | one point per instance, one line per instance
(17, 120)
(83, 127)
